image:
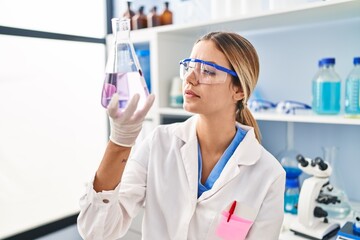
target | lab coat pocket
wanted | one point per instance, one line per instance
(233, 228)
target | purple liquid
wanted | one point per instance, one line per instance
(126, 85)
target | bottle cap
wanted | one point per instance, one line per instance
(326, 61)
(356, 60)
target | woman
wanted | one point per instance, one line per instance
(205, 178)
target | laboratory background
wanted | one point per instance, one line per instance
(53, 129)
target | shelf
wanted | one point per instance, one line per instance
(303, 118)
(163, 39)
(306, 14)
(142, 36)
(307, 118)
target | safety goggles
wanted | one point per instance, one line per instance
(283, 107)
(260, 105)
(207, 72)
(289, 107)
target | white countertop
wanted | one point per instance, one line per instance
(286, 234)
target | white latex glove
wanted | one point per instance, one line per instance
(125, 125)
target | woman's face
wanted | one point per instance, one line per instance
(210, 99)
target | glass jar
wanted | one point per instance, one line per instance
(326, 88)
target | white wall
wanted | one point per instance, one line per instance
(80, 17)
(53, 129)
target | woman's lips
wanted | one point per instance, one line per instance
(189, 93)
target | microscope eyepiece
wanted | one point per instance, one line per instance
(300, 158)
(322, 165)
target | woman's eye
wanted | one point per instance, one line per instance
(209, 72)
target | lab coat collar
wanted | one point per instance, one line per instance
(249, 150)
(247, 153)
(189, 152)
(187, 130)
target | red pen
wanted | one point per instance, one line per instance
(232, 210)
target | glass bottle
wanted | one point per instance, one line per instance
(288, 159)
(123, 74)
(326, 88)
(139, 20)
(352, 90)
(153, 18)
(291, 198)
(129, 13)
(166, 16)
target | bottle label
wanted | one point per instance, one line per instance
(352, 96)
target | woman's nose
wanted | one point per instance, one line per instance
(192, 78)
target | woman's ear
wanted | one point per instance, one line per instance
(238, 93)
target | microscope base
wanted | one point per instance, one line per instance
(321, 231)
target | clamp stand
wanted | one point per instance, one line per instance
(312, 220)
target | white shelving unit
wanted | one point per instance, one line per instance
(289, 43)
(169, 44)
(281, 36)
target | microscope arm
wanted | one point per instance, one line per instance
(307, 200)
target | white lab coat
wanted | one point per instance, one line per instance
(163, 175)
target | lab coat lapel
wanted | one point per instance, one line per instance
(189, 152)
(246, 154)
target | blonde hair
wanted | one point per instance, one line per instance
(245, 62)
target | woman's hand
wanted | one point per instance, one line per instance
(125, 125)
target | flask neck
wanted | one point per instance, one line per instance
(121, 28)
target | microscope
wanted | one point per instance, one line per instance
(312, 221)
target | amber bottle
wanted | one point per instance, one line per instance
(139, 20)
(153, 18)
(166, 16)
(129, 13)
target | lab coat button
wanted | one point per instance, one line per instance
(106, 201)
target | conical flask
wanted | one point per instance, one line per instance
(123, 74)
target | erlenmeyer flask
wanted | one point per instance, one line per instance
(341, 208)
(123, 74)
(288, 159)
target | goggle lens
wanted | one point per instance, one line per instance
(205, 72)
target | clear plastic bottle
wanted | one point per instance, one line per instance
(123, 73)
(352, 90)
(326, 87)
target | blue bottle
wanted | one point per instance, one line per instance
(326, 87)
(352, 90)
(292, 186)
(292, 191)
